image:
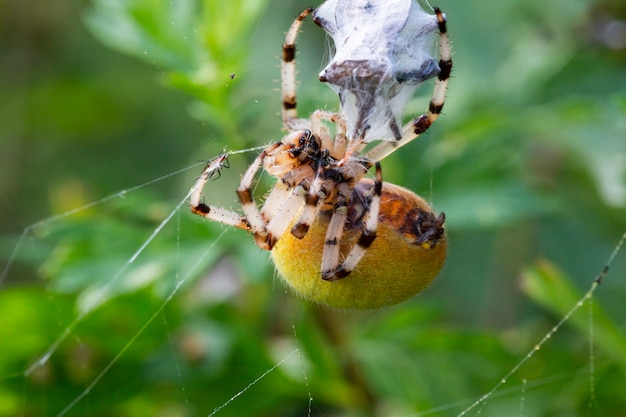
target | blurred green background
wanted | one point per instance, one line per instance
(528, 163)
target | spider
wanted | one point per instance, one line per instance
(338, 237)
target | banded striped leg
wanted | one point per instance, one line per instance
(257, 223)
(283, 204)
(288, 76)
(286, 211)
(219, 214)
(368, 234)
(313, 202)
(415, 128)
(331, 253)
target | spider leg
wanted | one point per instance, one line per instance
(368, 234)
(218, 214)
(419, 125)
(331, 252)
(445, 66)
(313, 201)
(286, 212)
(257, 224)
(288, 76)
(281, 206)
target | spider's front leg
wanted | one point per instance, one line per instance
(258, 224)
(215, 213)
(289, 161)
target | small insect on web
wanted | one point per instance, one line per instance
(337, 237)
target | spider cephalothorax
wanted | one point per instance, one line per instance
(336, 236)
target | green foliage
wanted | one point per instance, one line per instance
(200, 46)
(528, 162)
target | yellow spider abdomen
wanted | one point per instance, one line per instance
(395, 267)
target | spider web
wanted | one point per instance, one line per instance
(293, 356)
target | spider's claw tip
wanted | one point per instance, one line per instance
(336, 274)
(300, 230)
(329, 275)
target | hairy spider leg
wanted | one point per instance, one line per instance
(215, 213)
(313, 201)
(258, 223)
(288, 76)
(331, 252)
(368, 233)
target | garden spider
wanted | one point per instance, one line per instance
(353, 242)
